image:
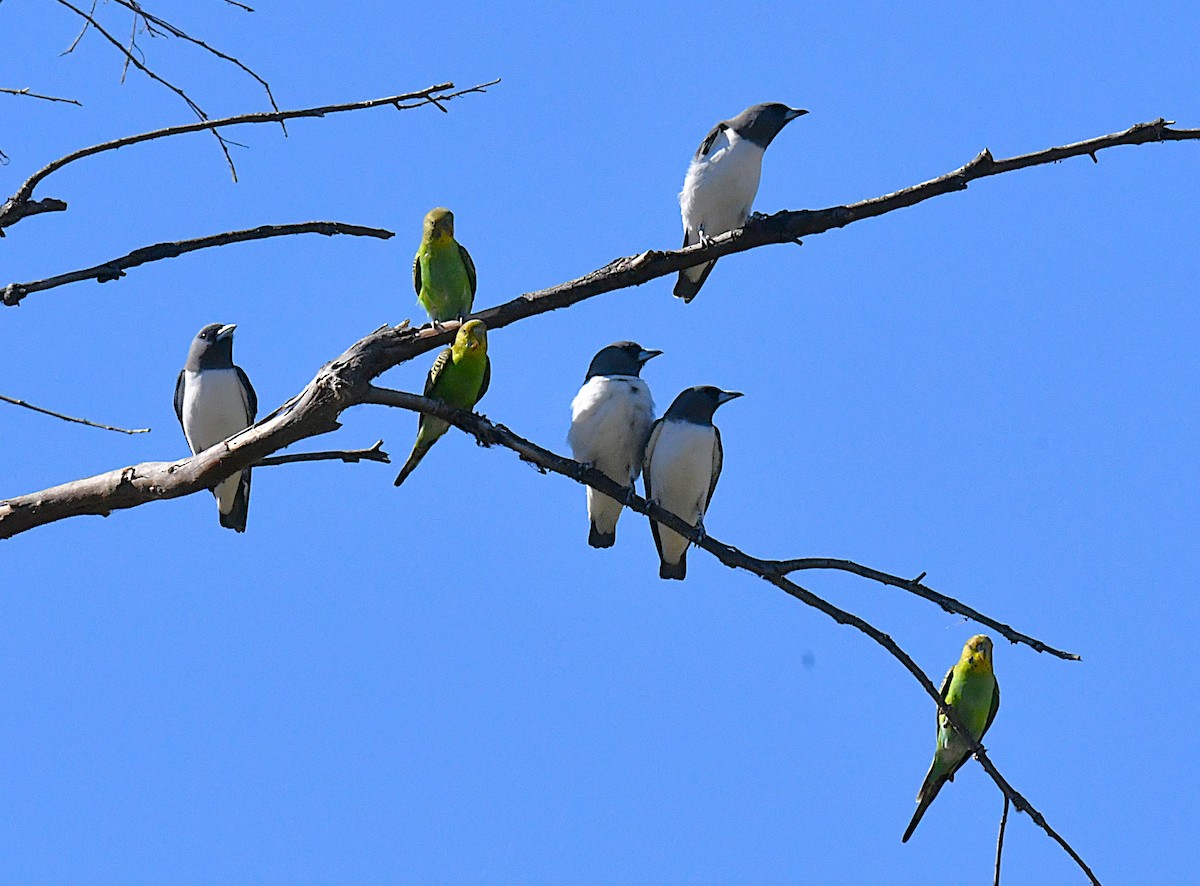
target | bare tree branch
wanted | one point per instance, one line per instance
(130, 48)
(82, 421)
(87, 23)
(314, 411)
(914, 586)
(349, 456)
(21, 204)
(788, 226)
(45, 98)
(342, 383)
(13, 293)
(152, 19)
(1000, 841)
(11, 213)
(489, 434)
(129, 58)
(347, 381)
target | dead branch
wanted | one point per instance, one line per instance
(489, 434)
(82, 421)
(21, 205)
(349, 456)
(788, 226)
(1000, 841)
(347, 381)
(914, 586)
(130, 59)
(46, 98)
(87, 23)
(152, 19)
(342, 383)
(13, 293)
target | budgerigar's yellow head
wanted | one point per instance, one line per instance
(977, 653)
(471, 337)
(439, 223)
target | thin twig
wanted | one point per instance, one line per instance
(82, 421)
(1000, 841)
(45, 98)
(13, 293)
(20, 205)
(239, 5)
(130, 48)
(349, 456)
(914, 586)
(196, 109)
(174, 31)
(87, 23)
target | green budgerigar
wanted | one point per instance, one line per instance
(443, 273)
(970, 688)
(459, 377)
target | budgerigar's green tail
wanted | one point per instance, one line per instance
(424, 443)
(929, 790)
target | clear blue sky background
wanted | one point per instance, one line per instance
(444, 683)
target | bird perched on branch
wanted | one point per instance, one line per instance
(610, 423)
(682, 466)
(443, 273)
(214, 400)
(722, 181)
(460, 376)
(970, 688)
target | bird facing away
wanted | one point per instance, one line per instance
(971, 689)
(443, 273)
(722, 181)
(214, 400)
(682, 466)
(459, 376)
(610, 423)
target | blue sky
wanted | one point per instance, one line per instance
(444, 683)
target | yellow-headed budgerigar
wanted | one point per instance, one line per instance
(443, 273)
(970, 688)
(460, 376)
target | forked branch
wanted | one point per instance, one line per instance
(346, 382)
(130, 58)
(21, 204)
(490, 434)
